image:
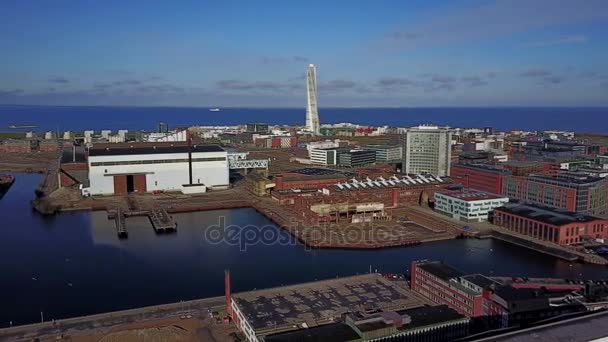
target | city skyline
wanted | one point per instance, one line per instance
(205, 53)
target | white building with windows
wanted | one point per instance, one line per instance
(117, 169)
(467, 204)
(427, 149)
(324, 156)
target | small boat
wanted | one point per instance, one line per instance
(214, 109)
(21, 126)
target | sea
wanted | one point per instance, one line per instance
(79, 118)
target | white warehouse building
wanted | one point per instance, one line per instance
(147, 167)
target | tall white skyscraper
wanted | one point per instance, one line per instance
(312, 115)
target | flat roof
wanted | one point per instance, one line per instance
(586, 328)
(328, 332)
(557, 217)
(429, 315)
(470, 194)
(136, 149)
(312, 171)
(484, 167)
(321, 302)
(480, 280)
(441, 270)
(567, 178)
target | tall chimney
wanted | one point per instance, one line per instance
(227, 292)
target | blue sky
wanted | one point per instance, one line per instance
(255, 53)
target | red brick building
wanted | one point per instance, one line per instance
(289, 181)
(443, 284)
(500, 302)
(525, 168)
(545, 224)
(484, 177)
(572, 192)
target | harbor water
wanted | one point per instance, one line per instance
(74, 264)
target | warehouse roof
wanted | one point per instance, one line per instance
(321, 302)
(557, 217)
(149, 148)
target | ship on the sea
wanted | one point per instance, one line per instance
(214, 109)
(6, 181)
(22, 126)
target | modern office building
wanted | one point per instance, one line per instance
(312, 115)
(324, 144)
(570, 191)
(385, 153)
(467, 204)
(355, 158)
(163, 127)
(427, 149)
(324, 156)
(145, 167)
(547, 224)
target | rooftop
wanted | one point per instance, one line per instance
(486, 167)
(480, 280)
(587, 328)
(149, 148)
(440, 270)
(328, 332)
(430, 315)
(557, 217)
(311, 171)
(321, 302)
(567, 178)
(392, 182)
(470, 194)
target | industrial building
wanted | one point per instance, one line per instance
(570, 191)
(427, 149)
(308, 178)
(116, 169)
(552, 225)
(467, 205)
(497, 302)
(393, 191)
(385, 153)
(358, 308)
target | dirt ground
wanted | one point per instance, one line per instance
(27, 162)
(164, 330)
